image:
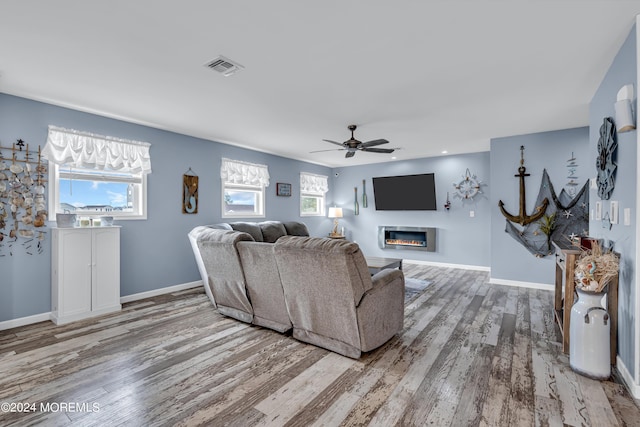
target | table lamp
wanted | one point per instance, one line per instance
(335, 213)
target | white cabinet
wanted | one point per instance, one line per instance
(85, 272)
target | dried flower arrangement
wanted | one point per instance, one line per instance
(595, 269)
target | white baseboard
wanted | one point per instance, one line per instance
(43, 317)
(519, 284)
(161, 291)
(22, 321)
(632, 386)
(63, 320)
(446, 265)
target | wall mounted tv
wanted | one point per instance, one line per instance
(405, 193)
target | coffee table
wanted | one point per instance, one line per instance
(377, 264)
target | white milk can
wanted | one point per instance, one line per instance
(589, 352)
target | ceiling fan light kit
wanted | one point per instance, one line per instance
(353, 145)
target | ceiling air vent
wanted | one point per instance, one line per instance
(223, 65)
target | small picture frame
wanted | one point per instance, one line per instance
(283, 189)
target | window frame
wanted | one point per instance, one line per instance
(321, 203)
(311, 181)
(258, 189)
(139, 196)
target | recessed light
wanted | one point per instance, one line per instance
(393, 158)
(444, 151)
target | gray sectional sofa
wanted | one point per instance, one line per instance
(274, 275)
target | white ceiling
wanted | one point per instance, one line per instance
(427, 76)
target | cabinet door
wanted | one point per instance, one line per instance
(106, 268)
(74, 275)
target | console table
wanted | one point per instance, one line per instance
(565, 296)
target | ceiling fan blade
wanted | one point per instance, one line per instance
(350, 154)
(378, 150)
(332, 149)
(374, 142)
(333, 142)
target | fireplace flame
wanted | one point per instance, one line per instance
(406, 242)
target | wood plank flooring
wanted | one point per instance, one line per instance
(470, 354)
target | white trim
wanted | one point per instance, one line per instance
(633, 387)
(64, 320)
(22, 321)
(161, 291)
(447, 265)
(519, 284)
(43, 317)
(636, 357)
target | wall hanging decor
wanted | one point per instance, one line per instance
(23, 211)
(605, 161)
(447, 204)
(283, 189)
(564, 219)
(190, 192)
(572, 167)
(523, 218)
(467, 188)
(364, 194)
(356, 206)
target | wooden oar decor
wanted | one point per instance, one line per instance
(523, 218)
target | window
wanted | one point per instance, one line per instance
(91, 192)
(312, 194)
(96, 175)
(243, 188)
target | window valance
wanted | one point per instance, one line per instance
(310, 183)
(237, 172)
(87, 150)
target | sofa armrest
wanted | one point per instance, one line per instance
(381, 309)
(386, 276)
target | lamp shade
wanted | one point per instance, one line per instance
(335, 213)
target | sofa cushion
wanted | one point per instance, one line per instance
(272, 231)
(218, 249)
(295, 228)
(252, 228)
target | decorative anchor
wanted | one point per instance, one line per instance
(523, 219)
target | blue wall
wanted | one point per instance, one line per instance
(509, 259)
(460, 238)
(154, 253)
(623, 71)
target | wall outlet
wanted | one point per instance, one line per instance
(472, 214)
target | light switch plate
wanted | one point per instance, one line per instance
(613, 211)
(472, 214)
(627, 216)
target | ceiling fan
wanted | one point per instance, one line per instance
(352, 145)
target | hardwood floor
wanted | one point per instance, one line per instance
(470, 354)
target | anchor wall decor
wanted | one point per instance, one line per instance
(524, 219)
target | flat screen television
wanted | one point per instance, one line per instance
(405, 193)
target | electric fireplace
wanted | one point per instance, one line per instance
(412, 238)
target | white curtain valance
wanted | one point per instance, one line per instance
(237, 172)
(310, 183)
(90, 151)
